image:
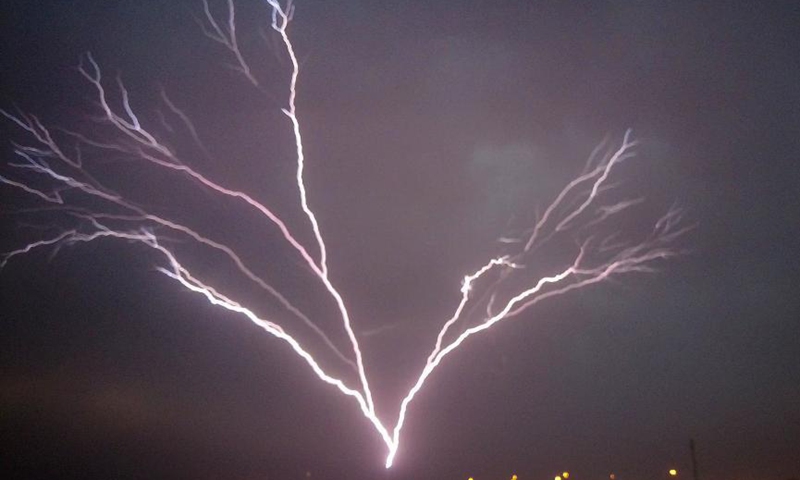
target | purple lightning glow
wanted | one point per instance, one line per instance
(500, 286)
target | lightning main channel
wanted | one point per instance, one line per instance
(583, 205)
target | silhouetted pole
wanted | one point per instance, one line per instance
(694, 459)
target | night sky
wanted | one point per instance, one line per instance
(431, 128)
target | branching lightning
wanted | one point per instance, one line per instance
(502, 288)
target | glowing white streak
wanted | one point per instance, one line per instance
(131, 127)
(32, 124)
(42, 134)
(276, 331)
(466, 286)
(614, 256)
(247, 272)
(133, 130)
(291, 112)
(603, 169)
(54, 198)
(228, 39)
(595, 154)
(242, 196)
(143, 215)
(607, 211)
(35, 245)
(432, 364)
(186, 121)
(621, 154)
(632, 259)
(183, 276)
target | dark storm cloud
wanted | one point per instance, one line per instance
(432, 130)
(509, 177)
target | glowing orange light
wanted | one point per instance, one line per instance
(673, 472)
(612, 477)
(514, 477)
(565, 474)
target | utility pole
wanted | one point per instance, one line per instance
(694, 459)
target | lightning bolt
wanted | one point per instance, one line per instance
(502, 285)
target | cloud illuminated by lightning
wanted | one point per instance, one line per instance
(498, 286)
